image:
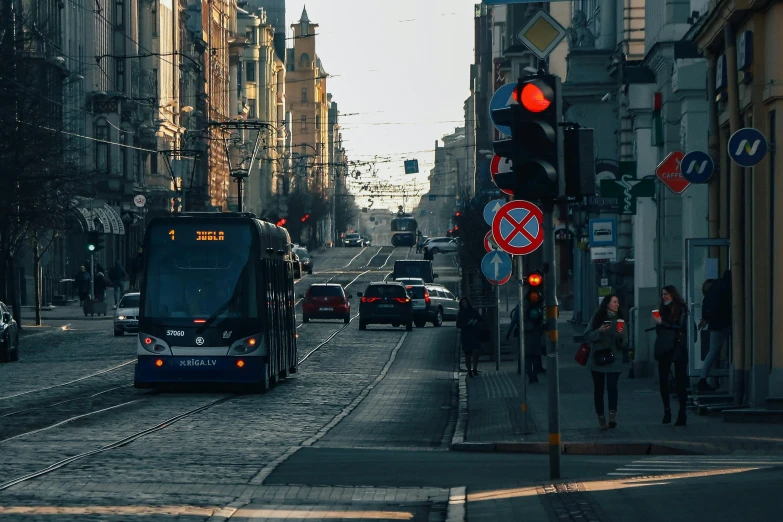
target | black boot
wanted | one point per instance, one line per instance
(681, 419)
(667, 417)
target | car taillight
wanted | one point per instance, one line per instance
(370, 299)
(426, 297)
(402, 299)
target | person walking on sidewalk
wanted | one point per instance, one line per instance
(607, 336)
(534, 344)
(117, 277)
(671, 348)
(716, 316)
(469, 322)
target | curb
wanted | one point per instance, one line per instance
(574, 448)
(462, 413)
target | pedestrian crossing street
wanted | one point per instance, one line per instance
(677, 464)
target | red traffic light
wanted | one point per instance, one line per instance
(305, 218)
(457, 214)
(535, 279)
(282, 222)
(535, 96)
(533, 297)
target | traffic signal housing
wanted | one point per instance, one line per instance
(95, 241)
(535, 145)
(534, 297)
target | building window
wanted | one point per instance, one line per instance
(305, 57)
(317, 123)
(123, 155)
(290, 67)
(153, 162)
(251, 108)
(304, 94)
(119, 13)
(102, 147)
(120, 74)
(303, 127)
(250, 34)
(250, 67)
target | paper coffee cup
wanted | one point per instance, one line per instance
(620, 325)
(656, 314)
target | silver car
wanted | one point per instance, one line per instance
(126, 317)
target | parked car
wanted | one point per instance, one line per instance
(9, 335)
(413, 268)
(385, 303)
(326, 301)
(438, 245)
(353, 240)
(126, 317)
(305, 259)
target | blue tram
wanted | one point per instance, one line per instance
(217, 302)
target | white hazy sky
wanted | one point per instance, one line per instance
(401, 74)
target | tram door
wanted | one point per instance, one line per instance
(705, 260)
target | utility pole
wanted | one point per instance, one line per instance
(551, 313)
(521, 327)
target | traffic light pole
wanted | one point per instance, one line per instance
(521, 329)
(553, 376)
(92, 276)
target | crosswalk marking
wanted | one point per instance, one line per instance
(694, 464)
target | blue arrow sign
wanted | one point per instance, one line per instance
(747, 147)
(491, 209)
(697, 167)
(503, 97)
(496, 266)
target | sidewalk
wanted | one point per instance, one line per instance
(495, 420)
(72, 311)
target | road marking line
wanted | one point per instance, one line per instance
(458, 498)
(354, 257)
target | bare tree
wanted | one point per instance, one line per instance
(39, 180)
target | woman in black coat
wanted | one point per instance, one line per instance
(469, 322)
(671, 349)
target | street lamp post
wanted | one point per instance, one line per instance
(240, 153)
(176, 160)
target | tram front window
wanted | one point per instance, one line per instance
(200, 272)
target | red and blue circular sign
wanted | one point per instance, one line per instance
(518, 228)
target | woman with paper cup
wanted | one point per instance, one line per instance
(670, 348)
(607, 335)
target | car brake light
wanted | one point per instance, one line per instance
(426, 297)
(370, 299)
(402, 299)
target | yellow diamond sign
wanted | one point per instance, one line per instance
(542, 34)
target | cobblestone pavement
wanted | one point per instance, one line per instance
(193, 466)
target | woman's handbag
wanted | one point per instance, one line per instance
(582, 354)
(604, 357)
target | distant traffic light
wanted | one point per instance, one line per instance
(95, 241)
(536, 140)
(305, 217)
(92, 241)
(534, 297)
(282, 222)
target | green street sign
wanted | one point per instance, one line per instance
(625, 192)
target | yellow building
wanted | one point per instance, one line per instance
(307, 101)
(739, 38)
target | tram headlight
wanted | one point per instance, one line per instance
(154, 345)
(247, 345)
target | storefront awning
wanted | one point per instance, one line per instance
(94, 216)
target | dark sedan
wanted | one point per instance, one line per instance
(385, 303)
(9, 336)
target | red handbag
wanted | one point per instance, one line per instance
(582, 354)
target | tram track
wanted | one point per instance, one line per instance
(141, 433)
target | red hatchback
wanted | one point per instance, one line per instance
(326, 301)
